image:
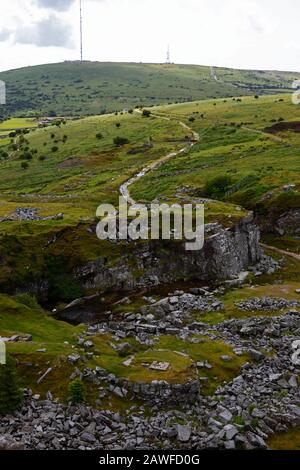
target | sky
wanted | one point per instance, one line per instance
(248, 34)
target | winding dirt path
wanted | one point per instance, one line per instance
(282, 252)
(265, 134)
(124, 188)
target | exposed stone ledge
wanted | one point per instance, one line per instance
(157, 392)
(224, 256)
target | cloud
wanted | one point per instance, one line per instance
(4, 35)
(255, 24)
(48, 32)
(58, 5)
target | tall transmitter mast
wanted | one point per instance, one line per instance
(81, 31)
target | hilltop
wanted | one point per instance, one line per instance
(74, 88)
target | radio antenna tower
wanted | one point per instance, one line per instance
(81, 32)
(168, 56)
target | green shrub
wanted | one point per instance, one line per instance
(24, 165)
(99, 136)
(11, 395)
(28, 300)
(64, 287)
(119, 141)
(217, 187)
(77, 391)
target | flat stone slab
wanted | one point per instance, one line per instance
(162, 366)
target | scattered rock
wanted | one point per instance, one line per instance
(184, 432)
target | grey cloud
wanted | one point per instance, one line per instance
(48, 32)
(59, 5)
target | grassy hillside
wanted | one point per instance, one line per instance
(251, 145)
(74, 88)
(73, 168)
(70, 169)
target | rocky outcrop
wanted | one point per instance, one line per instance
(23, 214)
(225, 254)
(262, 400)
(157, 392)
(289, 223)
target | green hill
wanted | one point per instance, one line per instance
(74, 88)
(74, 167)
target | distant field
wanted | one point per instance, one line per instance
(74, 88)
(17, 123)
(13, 124)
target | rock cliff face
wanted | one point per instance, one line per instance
(289, 223)
(225, 254)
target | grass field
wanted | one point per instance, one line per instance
(17, 123)
(74, 88)
(233, 144)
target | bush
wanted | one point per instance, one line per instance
(191, 119)
(54, 149)
(77, 391)
(3, 155)
(216, 188)
(118, 125)
(99, 136)
(119, 141)
(28, 300)
(26, 156)
(11, 395)
(64, 287)
(24, 165)
(146, 113)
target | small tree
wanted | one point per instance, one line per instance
(24, 165)
(146, 113)
(217, 187)
(119, 141)
(77, 391)
(11, 395)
